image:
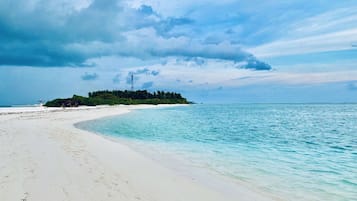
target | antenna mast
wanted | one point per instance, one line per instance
(132, 81)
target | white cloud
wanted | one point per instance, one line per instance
(312, 78)
(175, 8)
(336, 41)
(331, 31)
(331, 21)
(216, 73)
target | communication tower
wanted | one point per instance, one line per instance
(132, 81)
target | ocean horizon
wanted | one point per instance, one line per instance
(292, 151)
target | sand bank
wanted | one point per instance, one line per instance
(44, 157)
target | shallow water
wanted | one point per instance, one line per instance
(295, 151)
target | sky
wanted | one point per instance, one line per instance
(227, 51)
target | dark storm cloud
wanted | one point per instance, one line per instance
(147, 85)
(139, 73)
(89, 76)
(63, 33)
(256, 65)
(145, 71)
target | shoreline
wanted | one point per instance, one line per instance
(38, 145)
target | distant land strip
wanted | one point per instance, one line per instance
(117, 97)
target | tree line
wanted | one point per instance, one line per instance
(116, 97)
(139, 94)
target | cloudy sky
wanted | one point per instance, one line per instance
(210, 51)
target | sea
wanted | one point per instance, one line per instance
(292, 151)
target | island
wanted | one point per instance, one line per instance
(117, 97)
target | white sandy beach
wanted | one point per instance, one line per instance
(44, 157)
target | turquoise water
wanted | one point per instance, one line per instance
(294, 151)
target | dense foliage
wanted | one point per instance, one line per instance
(119, 97)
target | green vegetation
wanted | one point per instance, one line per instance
(120, 97)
